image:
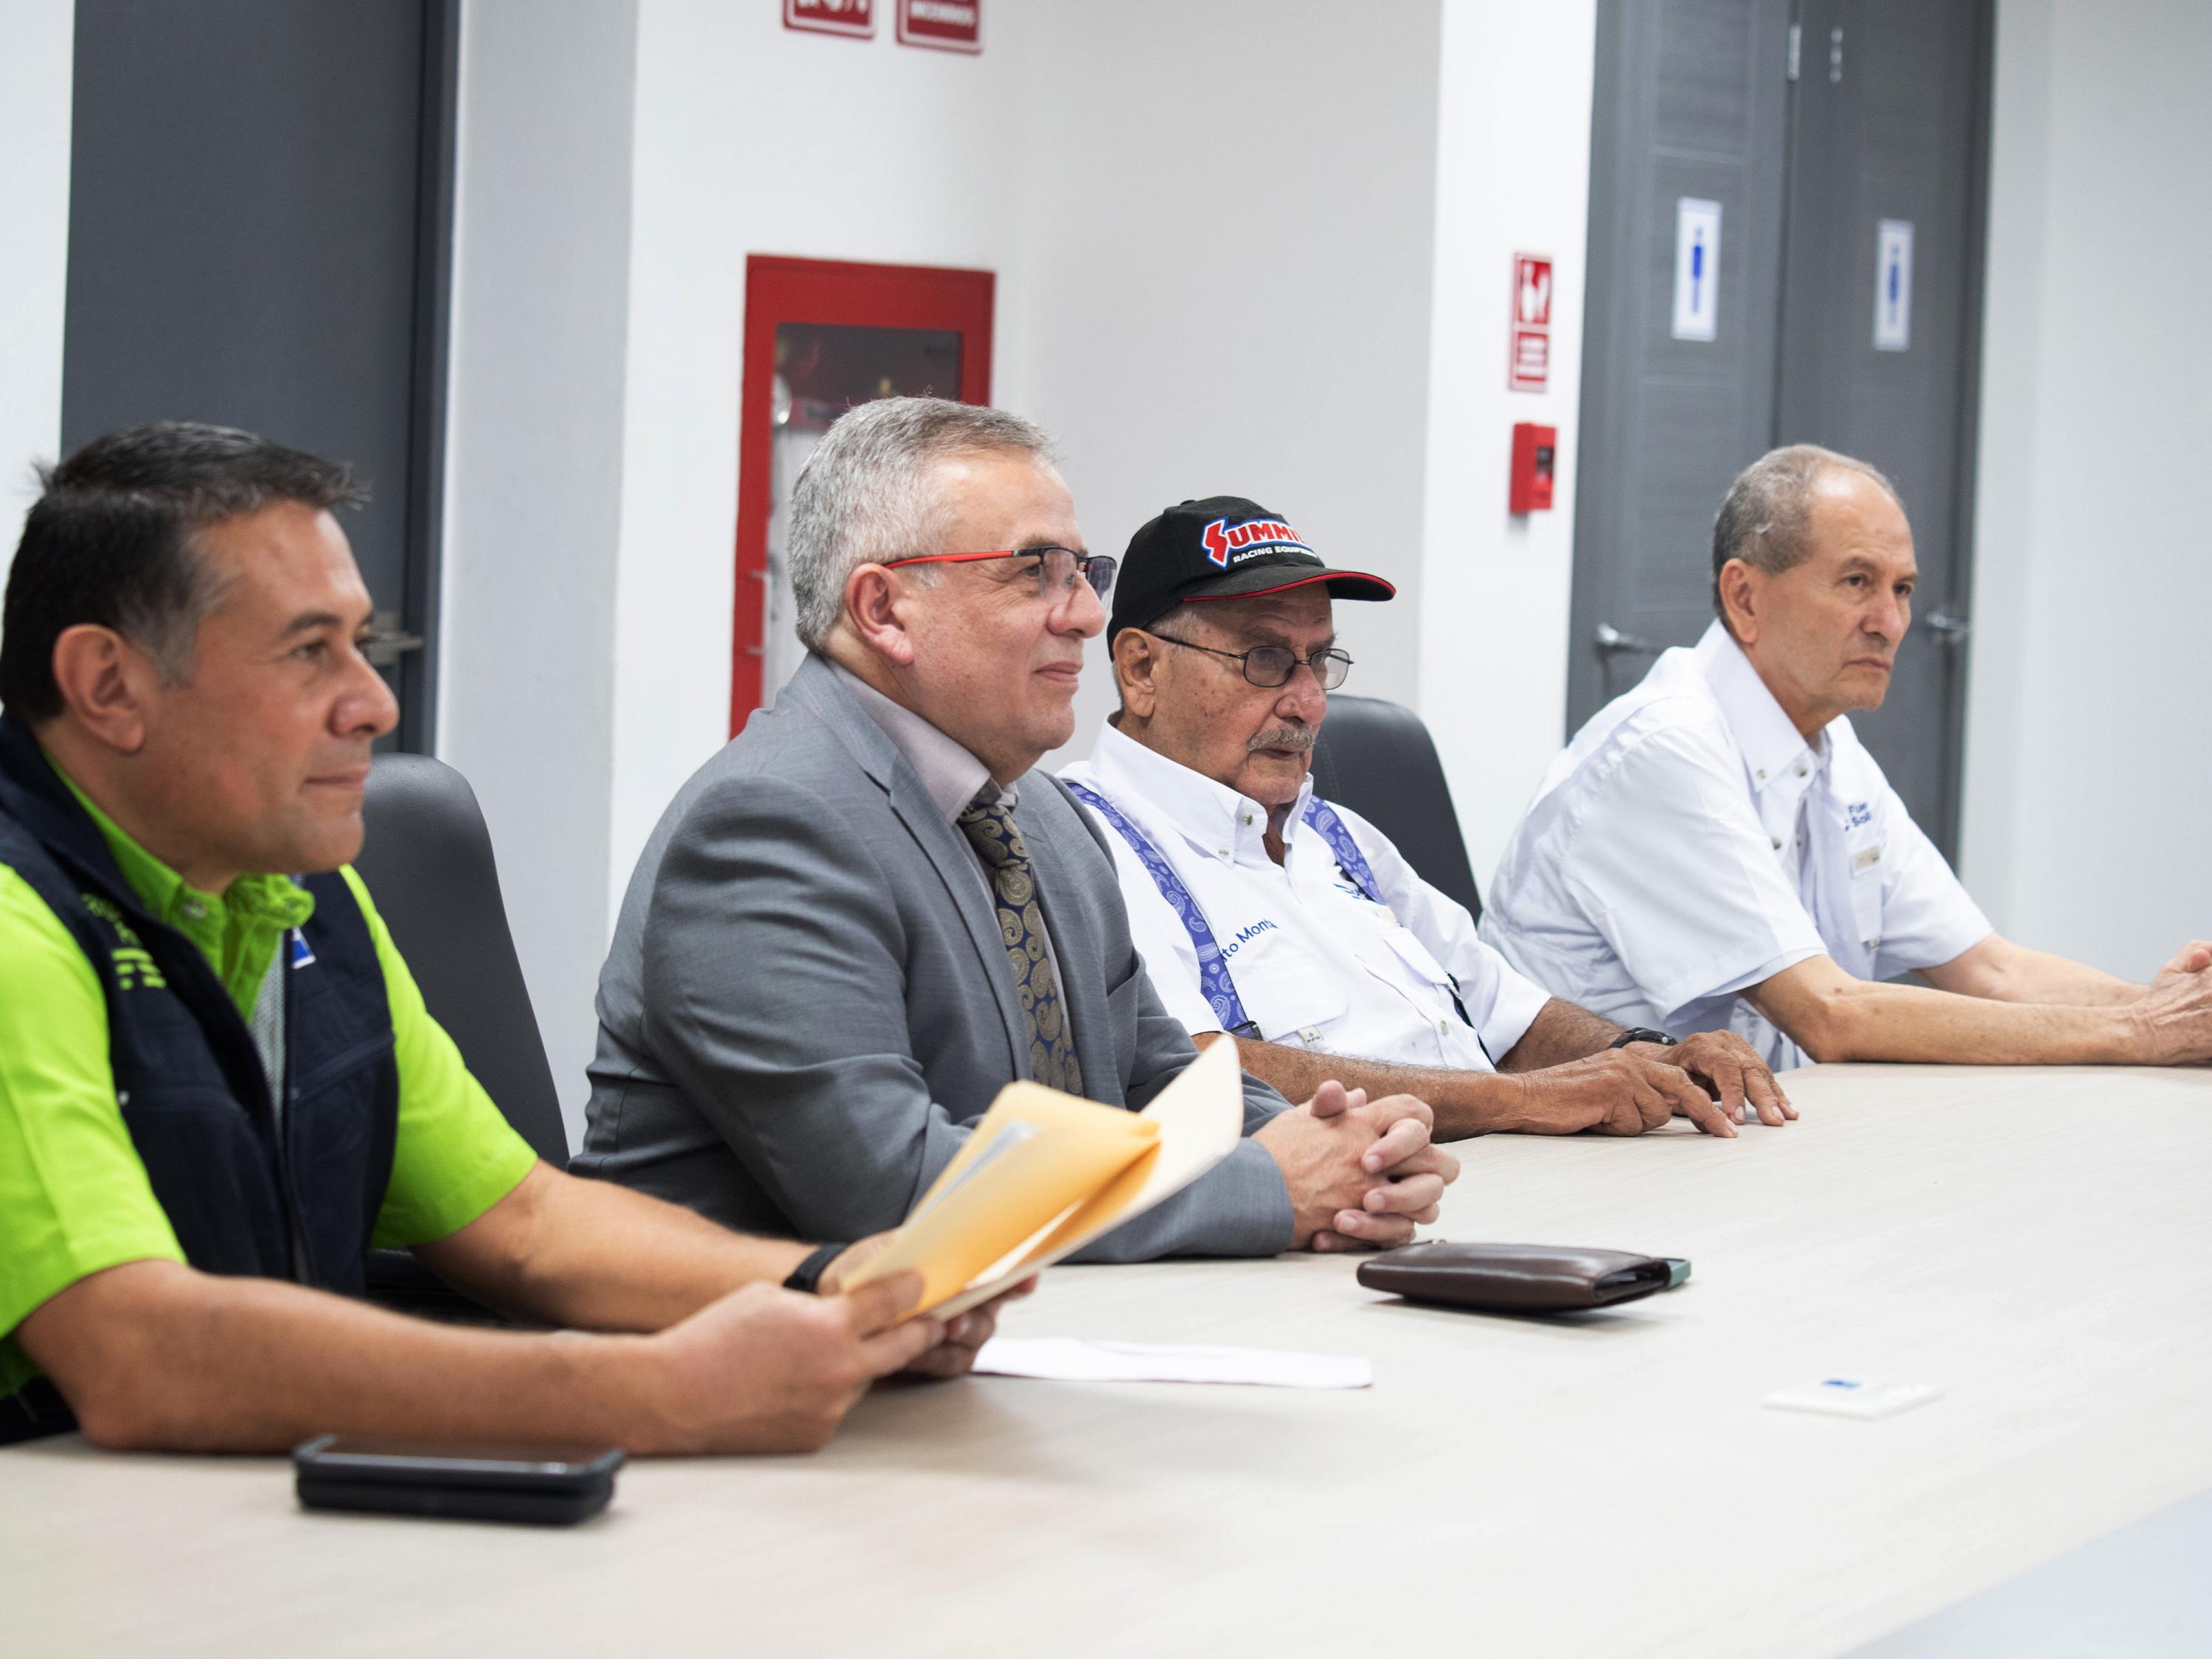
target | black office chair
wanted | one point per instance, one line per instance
(428, 861)
(1377, 758)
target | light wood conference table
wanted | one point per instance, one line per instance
(2034, 1242)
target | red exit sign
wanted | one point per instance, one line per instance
(853, 17)
(947, 25)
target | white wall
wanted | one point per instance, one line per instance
(35, 42)
(1225, 280)
(753, 138)
(2087, 817)
(533, 507)
(1512, 176)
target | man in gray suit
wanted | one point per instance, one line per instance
(868, 913)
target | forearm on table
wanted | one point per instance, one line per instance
(1465, 1102)
(1561, 1031)
(154, 1355)
(2002, 971)
(1834, 1016)
(596, 1256)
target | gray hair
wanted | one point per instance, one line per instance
(1765, 518)
(865, 497)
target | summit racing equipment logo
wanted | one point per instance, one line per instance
(1228, 544)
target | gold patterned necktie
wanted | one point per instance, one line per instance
(990, 830)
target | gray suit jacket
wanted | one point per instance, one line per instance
(807, 1005)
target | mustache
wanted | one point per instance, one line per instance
(1299, 739)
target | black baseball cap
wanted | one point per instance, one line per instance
(1222, 548)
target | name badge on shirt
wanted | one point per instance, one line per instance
(1865, 856)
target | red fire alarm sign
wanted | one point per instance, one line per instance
(852, 17)
(1528, 356)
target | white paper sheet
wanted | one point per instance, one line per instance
(1078, 1360)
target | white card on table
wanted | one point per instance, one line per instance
(1854, 1396)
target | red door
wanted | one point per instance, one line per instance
(821, 335)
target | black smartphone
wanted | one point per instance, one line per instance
(550, 1485)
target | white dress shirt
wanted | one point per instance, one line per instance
(1689, 843)
(1316, 962)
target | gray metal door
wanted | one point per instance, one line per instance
(1889, 124)
(1691, 102)
(259, 236)
(1818, 127)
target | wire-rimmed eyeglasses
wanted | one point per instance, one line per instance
(1057, 568)
(1270, 666)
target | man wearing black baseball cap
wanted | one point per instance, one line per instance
(1293, 926)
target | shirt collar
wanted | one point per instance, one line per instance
(271, 901)
(1771, 744)
(951, 776)
(1211, 815)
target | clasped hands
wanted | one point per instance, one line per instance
(1361, 1173)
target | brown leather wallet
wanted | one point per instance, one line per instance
(1516, 1278)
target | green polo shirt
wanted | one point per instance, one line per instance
(75, 1198)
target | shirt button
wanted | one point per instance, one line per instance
(1247, 820)
(1777, 846)
(194, 909)
(1762, 777)
(1222, 852)
(1800, 770)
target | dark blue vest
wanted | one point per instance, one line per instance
(247, 1193)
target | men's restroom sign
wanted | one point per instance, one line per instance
(1696, 268)
(1892, 285)
(1528, 355)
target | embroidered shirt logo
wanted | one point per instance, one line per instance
(1228, 544)
(1247, 937)
(135, 970)
(1857, 813)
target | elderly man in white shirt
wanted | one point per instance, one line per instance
(1294, 926)
(1717, 847)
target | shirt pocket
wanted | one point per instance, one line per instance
(1290, 997)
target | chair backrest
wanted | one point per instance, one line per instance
(429, 864)
(1377, 758)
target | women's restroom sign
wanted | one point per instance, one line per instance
(1528, 355)
(1892, 285)
(1696, 268)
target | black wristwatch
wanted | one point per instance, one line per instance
(807, 1274)
(1642, 1034)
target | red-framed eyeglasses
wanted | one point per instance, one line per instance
(1057, 568)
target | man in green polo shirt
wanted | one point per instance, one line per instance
(219, 1085)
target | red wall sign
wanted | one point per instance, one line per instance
(1528, 355)
(947, 25)
(855, 17)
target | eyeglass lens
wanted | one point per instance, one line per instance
(1271, 665)
(1059, 566)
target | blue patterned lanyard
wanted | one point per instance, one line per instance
(1349, 859)
(1213, 979)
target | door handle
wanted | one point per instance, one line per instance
(1610, 641)
(1952, 630)
(387, 641)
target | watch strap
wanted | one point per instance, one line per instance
(807, 1275)
(1642, 1034)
